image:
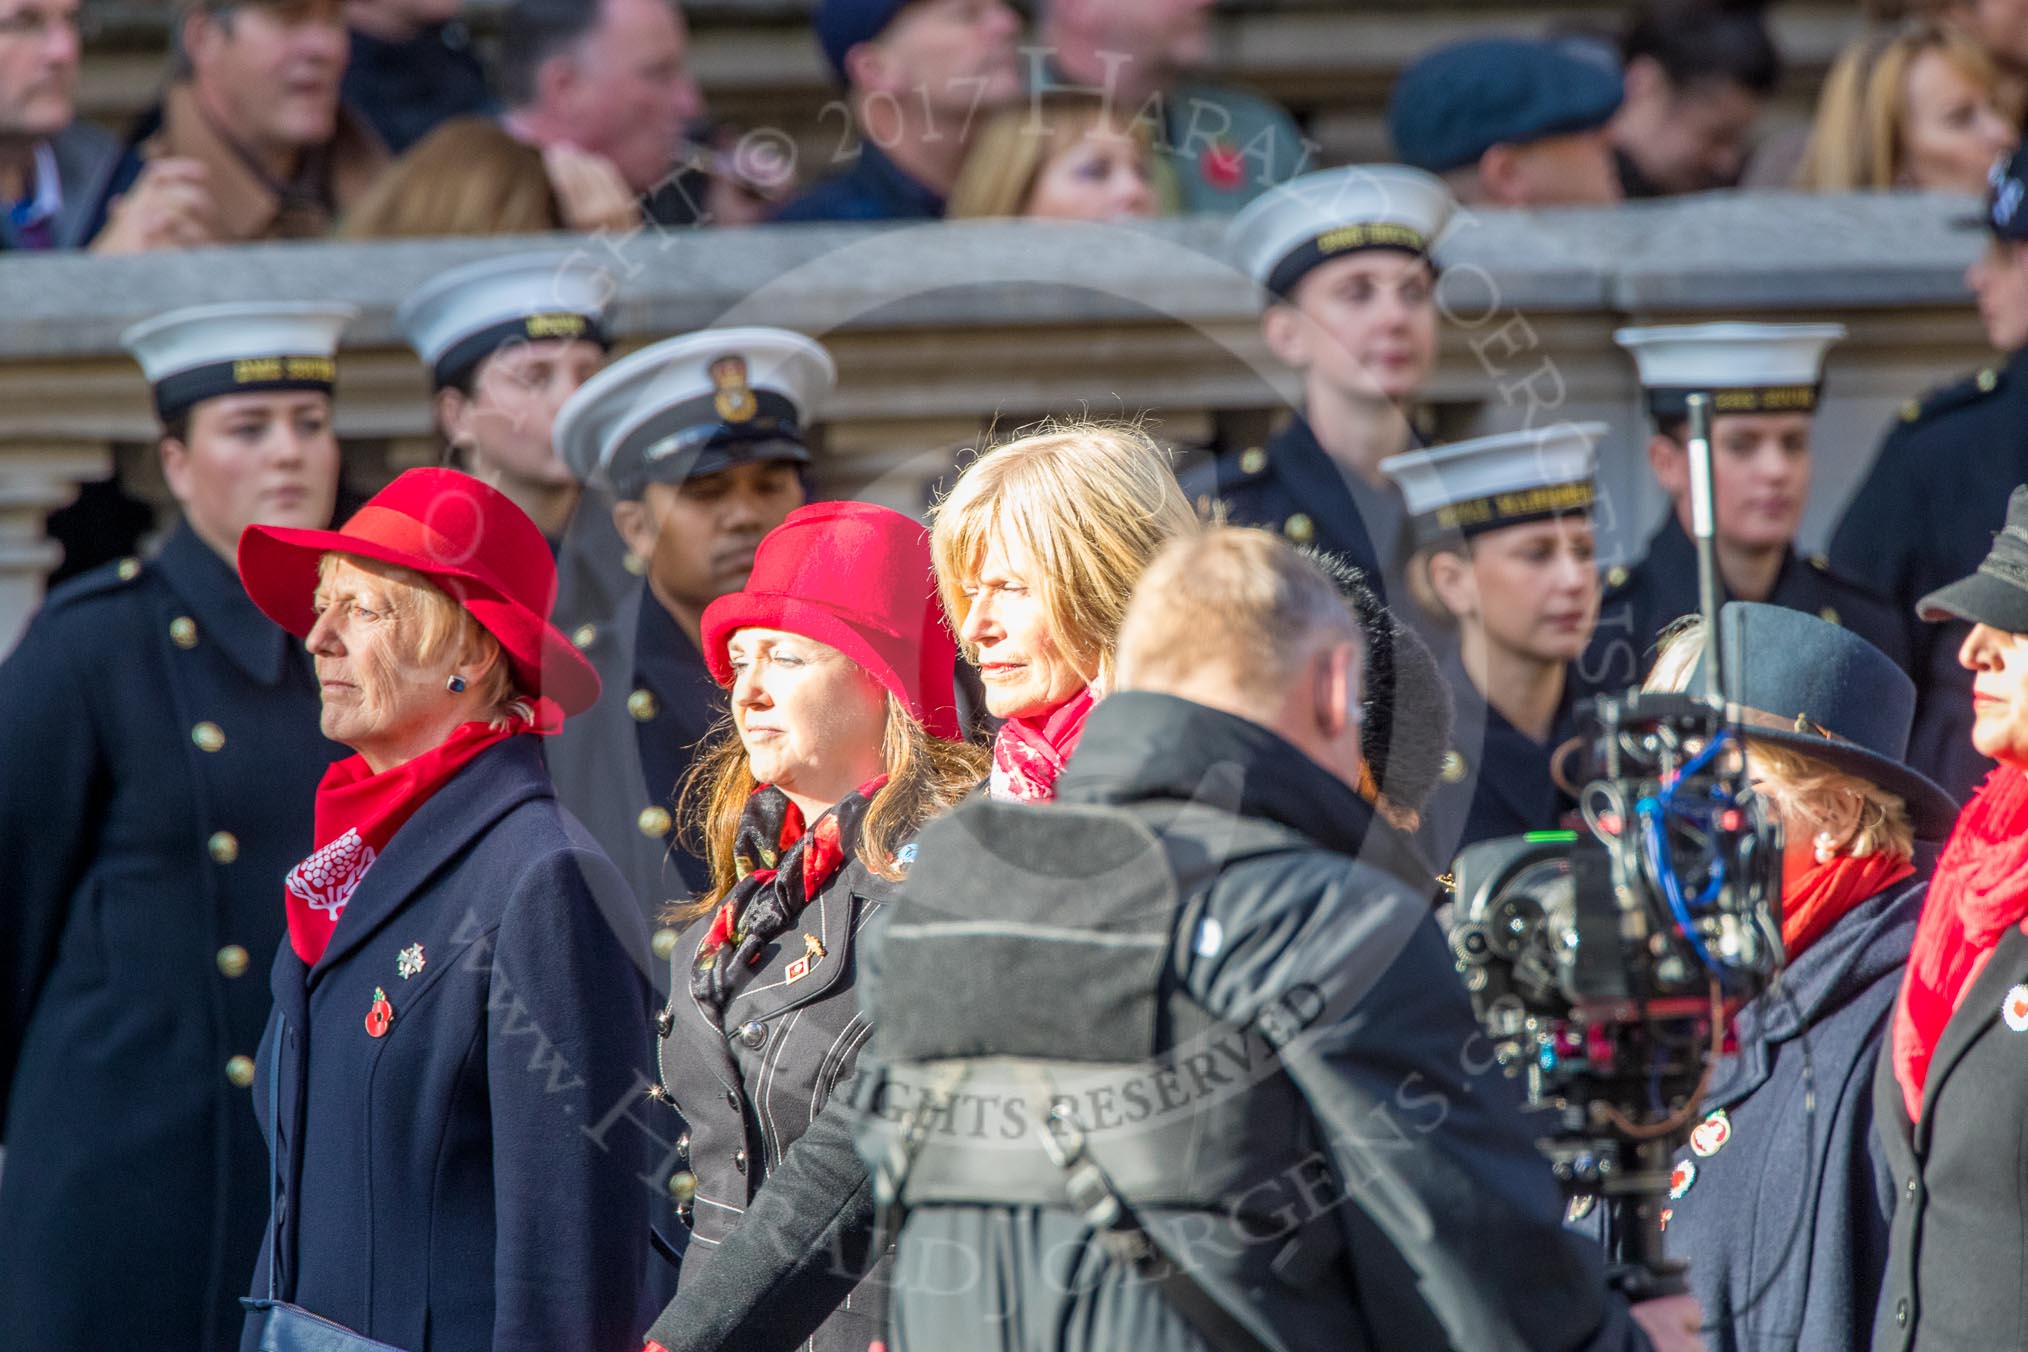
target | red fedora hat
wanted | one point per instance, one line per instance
(464, 536)
(858, 577)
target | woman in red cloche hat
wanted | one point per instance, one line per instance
(445, 1080)
(843, 740)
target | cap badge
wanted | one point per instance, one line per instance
(734, 400)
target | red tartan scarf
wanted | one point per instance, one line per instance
(783, 864)
(1029, 752)
(358, 813)
(1979, 891)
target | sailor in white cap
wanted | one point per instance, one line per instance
(1343, 258)
(159, 760)
(703, 441)
(1503, 551)
(1763, 380)
(508, 341)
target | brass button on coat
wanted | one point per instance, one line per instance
(183, 632)
(654, 821)
(208, 736)
(641, 704)
(683, 1185)
(739, 1160)
(1252, 460)
(664, 943)
(129, 569)
(1300, 528)
(583, 635)
(223, 847)
(240, 1070)
(233, 960)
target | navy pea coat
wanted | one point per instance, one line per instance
(1925, 517)
(1496, 779)
(1293, 486)
(779, 1258)
(618, 766)
(476, 1179)
(1782, 1205)
(159, 752)
(1643, 600)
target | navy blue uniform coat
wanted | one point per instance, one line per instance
(1924, 517)
(1644, 600)
(142, 901)
(1794, 1209)
(475, 1179)
(1496, 779)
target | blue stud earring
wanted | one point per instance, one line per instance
(456, 684)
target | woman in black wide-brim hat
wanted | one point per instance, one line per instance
(1779, 1201)
(1952, 1088)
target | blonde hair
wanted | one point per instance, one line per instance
(429, 626)
(925, 776)
(1855, 141)
(1011, 148)
(1090, 503)
(468, 177)
(1235, 602)
(1803, 789)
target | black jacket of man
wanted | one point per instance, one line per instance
(1441, 1223)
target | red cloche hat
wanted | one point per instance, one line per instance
(858, 577)
(468, 539)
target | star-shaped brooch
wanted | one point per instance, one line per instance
(409, 961)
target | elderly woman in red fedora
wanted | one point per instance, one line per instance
(458, 1036)
(843, 740)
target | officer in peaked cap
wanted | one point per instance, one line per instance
(703, 442)
(1763, 381)
(1937, 492)
(1511, 121)
(1503, 537)
(158, 762)
(1343, 258)
(508, 341)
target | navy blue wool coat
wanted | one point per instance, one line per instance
(477, 1177)
(159, 752)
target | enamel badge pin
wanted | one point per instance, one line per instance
(380, 1017)
(2014, 1009)
(812, 951)
(1710, 1135)
(1680, 1179)
(409, 962)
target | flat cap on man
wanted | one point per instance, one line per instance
(1460, 101)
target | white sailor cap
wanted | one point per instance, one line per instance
(1470, 487)
(1292, 228)
(695, 405)
(205, 351)
(471, 312)
(1745, 368)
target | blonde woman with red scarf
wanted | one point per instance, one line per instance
(1779, 1201)
(1038, 548)
(844, 739)
(449, 1079)
(1953, 1089)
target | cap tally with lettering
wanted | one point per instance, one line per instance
(207, 351)
(1311, 220)
(461, 318)
(1488, 483)
(1745, 368)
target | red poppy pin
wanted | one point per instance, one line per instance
(2014, 1009)
(1222, 166)
(380, 1017)
(1680, 1179)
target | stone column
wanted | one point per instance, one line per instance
(34, 481)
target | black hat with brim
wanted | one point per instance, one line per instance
(1803, 682)
(1997, 594)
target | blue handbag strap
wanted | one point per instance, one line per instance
(274, 1156)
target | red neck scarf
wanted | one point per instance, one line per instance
(1030, 751)
(1822, 895)
(1980, 889)
(358, 813)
